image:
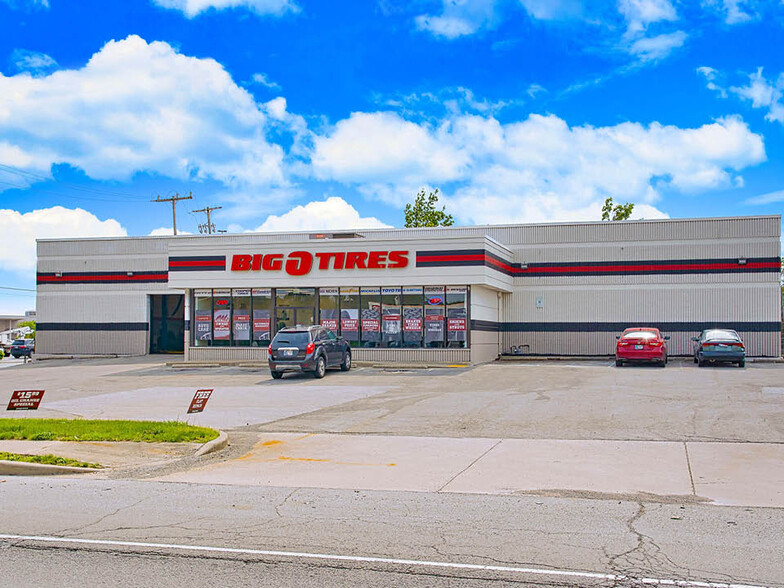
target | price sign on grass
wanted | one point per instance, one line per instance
(199, 401)
(25, 400)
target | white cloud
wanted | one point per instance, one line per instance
(764, 94)
(711, 75)
(27, 4)
(167, 232)
(733, 11)
(768, 198)
(539, 169)
(383, 145)
(334, 213)
(263, 80)
(191, 8)
(655, 48)
(141, 107)
(459, 18)
(552, 9)
(641, 13)
(32, 61)
(20, 230)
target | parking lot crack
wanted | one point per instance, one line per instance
(469, 465)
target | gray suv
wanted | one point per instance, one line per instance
(308, 349)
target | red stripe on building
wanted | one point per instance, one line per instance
(198, 263)
(114, 277)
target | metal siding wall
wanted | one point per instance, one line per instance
(91, 343)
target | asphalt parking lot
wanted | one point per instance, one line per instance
(529, 400)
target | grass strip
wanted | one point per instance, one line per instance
(103, 430)
(48, 459)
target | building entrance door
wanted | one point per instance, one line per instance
(167, 323)
(295, 316)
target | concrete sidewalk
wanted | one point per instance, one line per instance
(738, 474)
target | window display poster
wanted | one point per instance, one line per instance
(261, 325)
(241, 325)
(349, 320)
(434, 324)
(370, 325)
(329, 318)
(203, 325)
(390, 320)
(222, 324)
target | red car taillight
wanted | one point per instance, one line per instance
(269, 350)
(310, 348)
(655, 343)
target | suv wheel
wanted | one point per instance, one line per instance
(346, 365)
(276, 375)
(321, 368)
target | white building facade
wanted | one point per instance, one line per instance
(439, 295)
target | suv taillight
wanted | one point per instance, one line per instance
(310, 348)
(269, 350)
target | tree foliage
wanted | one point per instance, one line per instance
(423, 212)
(617, 212)
(30, 324)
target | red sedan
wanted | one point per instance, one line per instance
(641, 344)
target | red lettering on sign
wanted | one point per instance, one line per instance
(299, 263)
(240, 263)
(272, 262)
(356, 259)
(398, 259)
(377, 259)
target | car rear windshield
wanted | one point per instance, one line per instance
(719, 334)
(291, 339)
(640, 335)
(18, 342)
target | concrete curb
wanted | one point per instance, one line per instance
(21, 468)
(220, 442)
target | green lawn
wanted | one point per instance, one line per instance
(99, 430)
(48, 459)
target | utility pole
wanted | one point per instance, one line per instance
(209, 228)
(174, 199)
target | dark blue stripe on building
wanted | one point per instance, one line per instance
(198, 263)
(92, 327)
(608, 327)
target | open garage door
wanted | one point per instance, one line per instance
(167, 323)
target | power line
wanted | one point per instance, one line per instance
(18, 289)
(174, 199)
(208, 228)
(71, 186)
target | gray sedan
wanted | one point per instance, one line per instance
(719, 345)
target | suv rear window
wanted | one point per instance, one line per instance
(291, 339)
(18, 342)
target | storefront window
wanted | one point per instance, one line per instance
(370, 305)
(456, 316)
(391, 311)
(412, 316)
(434, 316)
(329, 309)
(221, 317)
(349, 315)
(202, 318)
(240, 321)
(392, 316)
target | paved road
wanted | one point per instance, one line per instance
(531, 535)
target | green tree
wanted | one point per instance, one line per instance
(617, 212)
(423, 212)
(30, 324)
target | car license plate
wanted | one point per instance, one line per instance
(639, 346)
(289, 352)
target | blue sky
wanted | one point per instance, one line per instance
(299, 114)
